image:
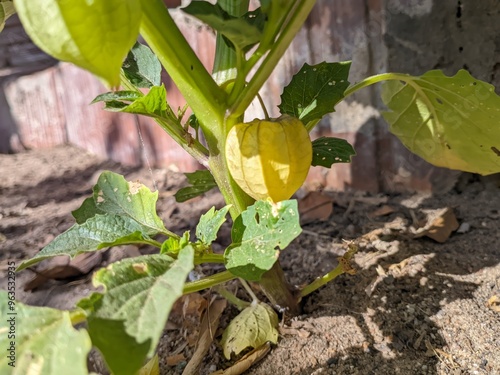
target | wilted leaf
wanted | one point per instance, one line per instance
(315, 90)
(45, 341)
(210, 223)
(247, 361)
(328, 151)
(95, 35)
(253, 327)
(451, 122)
(201, 181)
(257, 234)
(141, 67)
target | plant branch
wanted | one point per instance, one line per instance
(299, 14)
(208, 282)
(192, 146)
(375, 79)
(239, 303)
(344, 266)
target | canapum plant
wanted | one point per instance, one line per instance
(257, 166)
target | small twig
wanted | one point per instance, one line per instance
(264, 109)
(249, 290)
(239, 303)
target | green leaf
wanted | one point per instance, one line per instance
(153, 104)
(95, 35)
(329, 150)
(141, 67)
(127, 96)
(114, 195)
(315, 90)
(139, 294)
(45, 341)
(6, 10)
(201, 181)
(121, 351)
(451, 122)
(210, 223)
(87, 210)
(95, 233)
(242, 32)
(257, 233)
(253, 327)
(173, 245)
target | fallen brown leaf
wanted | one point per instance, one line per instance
(175, 359)
(62, 267)
(209, 325)
(382, 211)
(246, 361)
(494, 303)
(440, 225)
(315, 206)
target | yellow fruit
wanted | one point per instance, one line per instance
(269, 159)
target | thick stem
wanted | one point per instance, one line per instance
(206, 99)
(208, 282)
(279, 292)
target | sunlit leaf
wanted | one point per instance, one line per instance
(6, 10)
(210, 223)
(451, 122)
(139, 294)
(257, 235)
(95, 35)
(96, 233)
(44, 341)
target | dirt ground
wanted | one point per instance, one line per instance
(415, 306)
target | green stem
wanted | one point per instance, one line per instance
(344, 266)
(239, 303)
(206, 99)
(249, 290)
(208, 282)
(209, 258)
(239, 103)
(375, 79)
(320, 281)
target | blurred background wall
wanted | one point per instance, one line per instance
(44, 103)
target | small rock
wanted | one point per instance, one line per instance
(463, 228)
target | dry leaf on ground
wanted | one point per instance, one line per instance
(440, 224)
